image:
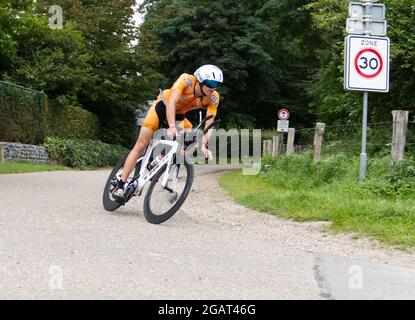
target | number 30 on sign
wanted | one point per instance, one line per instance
(366, 63)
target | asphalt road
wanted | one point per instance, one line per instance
(57, 242)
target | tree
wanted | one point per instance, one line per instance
(292, 44)
(118, 79)
(51, 60)
(8, 23)
(186, 34)
(330, 101)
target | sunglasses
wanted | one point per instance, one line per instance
(212, 84)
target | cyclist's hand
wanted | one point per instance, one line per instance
(207, 153)
(171, 132)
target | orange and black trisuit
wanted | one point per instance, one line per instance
(185, 84)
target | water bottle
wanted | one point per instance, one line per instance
(155, 162)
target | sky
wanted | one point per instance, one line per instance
(137, 17)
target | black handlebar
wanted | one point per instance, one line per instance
(202, 123)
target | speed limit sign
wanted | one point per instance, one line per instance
(367, 63)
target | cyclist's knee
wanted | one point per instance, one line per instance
(141, 144)
(143, 140)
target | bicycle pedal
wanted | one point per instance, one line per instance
(174, 197)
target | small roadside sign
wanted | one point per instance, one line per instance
(283, 114)
(283, 125)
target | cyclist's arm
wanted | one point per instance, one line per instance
(171, 106)
(208, 134)
(211, 110)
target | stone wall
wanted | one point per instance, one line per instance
(18, 151)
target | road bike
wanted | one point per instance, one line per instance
(168, 183)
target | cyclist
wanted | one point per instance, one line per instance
(189, 92)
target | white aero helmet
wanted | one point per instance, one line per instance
(209, 75)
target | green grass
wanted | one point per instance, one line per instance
(26, 166)
(383, 207)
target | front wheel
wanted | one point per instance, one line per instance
(160, 204)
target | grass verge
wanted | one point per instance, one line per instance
(26, 166)
(367, 209)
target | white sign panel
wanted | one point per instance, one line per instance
(283, 125)
(357, 26)
(366, 63)
(357, 10)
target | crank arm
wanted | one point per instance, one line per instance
(169, 189)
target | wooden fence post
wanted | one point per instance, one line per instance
(275, 146)
(318, 139)
(400, 126)
(290, 141)
(1, 154)
(269, 146)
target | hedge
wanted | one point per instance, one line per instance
(27, 117)
(83, 154)
(22, 115)
(72, 122)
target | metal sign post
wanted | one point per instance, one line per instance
(363, 154)
(366, 58)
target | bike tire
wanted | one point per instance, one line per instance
(160, 218)
(108, 203)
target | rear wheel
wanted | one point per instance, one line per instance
(160, 204)
(110, 204)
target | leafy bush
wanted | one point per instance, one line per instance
(340, 172)
(83, 154)
(72, 122)
(387, 181)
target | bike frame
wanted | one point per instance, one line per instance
(175, 146)
(168, 159)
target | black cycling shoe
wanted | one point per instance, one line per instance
(119, 194)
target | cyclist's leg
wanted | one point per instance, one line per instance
(140, 146)
(183, 124)
(186, 125)
(150, 125)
